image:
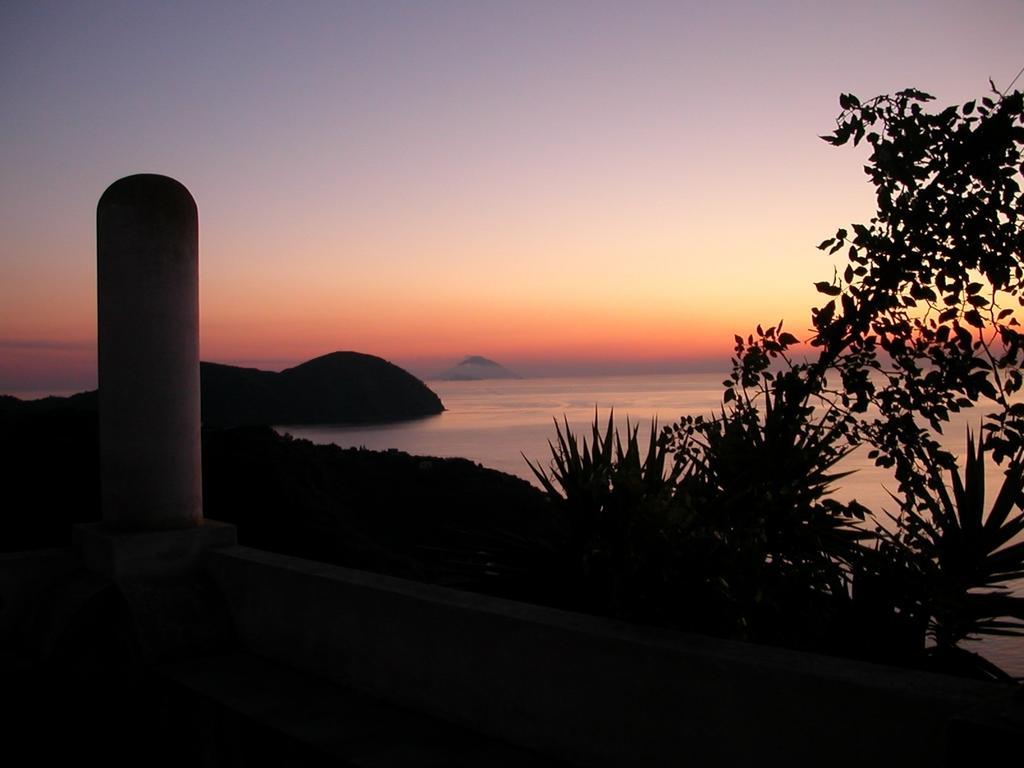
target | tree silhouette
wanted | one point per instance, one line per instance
(920, 323)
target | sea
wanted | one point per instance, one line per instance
(503, 422)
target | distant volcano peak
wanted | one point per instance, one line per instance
(476, 367)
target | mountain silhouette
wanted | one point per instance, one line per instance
(474, 368)
(339, 387)
(335, 388)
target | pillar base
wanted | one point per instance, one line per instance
(118, 553)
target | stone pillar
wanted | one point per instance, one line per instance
(147, 254)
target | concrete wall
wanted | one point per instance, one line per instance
(23, 575)
(592, 691)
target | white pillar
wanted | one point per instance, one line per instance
(147, 254)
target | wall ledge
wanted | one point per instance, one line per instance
(586, 689)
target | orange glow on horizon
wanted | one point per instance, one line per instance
(564, 182)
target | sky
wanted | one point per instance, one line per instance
(565, 187)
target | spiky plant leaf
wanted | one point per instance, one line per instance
(968, 555)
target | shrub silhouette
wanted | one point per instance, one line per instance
(920, 323)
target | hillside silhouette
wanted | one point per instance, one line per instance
(335, 388)
(385, 511)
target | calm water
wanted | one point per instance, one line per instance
(494, 422)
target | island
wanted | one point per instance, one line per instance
(340, 387)
(477, 368)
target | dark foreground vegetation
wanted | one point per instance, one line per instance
(727, 526)
(408, 516)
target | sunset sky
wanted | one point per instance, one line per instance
(561, 186)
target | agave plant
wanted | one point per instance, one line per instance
(587, 477)
(613, 500)
(967, 556)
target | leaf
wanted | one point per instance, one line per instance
(828, 289)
